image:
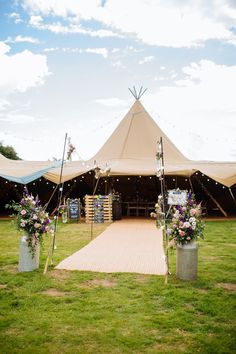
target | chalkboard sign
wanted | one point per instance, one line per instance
(74, 208)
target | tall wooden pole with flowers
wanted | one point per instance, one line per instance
(59, 200)
(160, 174)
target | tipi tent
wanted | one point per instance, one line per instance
(131, 150)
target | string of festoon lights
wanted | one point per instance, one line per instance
(81, 179)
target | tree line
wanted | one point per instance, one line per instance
(8, 151)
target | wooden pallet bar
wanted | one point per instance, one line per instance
(98, 208)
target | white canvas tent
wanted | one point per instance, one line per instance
(131, 150)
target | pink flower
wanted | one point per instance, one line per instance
(23, 212)
(37, 225)
(181, 233)
(193, 212)
(198, 210)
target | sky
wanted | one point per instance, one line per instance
(66, 66)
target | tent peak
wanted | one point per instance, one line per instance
(137, 95)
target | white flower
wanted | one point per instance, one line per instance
(186, 224)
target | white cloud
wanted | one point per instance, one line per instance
(35, 21)
(4, 104)
(21, 71)
(16, 17)
(4, 48)
(202, 105)
(118, 64)
(17, 118)
(174, 24)
(22, 39)
(63, 8)
(57, 27)
(52, 49)
(111, 102)
(146, 59)
(100, 51)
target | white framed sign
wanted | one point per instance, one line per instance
(176, 197)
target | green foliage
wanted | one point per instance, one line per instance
(86, 312)
(8, 151)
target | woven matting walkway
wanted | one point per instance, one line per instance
(132, 245)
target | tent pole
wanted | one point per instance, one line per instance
(212, 198)
(46, 205)
(161, 175)
(231, 193)
(59, 198)
(191, 185)
(92, 220)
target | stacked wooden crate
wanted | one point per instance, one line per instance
(98, 208)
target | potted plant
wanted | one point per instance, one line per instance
(186, 227)
(33, 220)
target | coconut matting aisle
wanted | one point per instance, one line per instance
(131, 245)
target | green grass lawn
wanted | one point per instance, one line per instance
(85, 312)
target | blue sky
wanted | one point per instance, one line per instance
(66, 66)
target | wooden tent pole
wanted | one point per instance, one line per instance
(191, 185)
(161, 175)
(231, 193)
(59, 198)
(92, 219)
(212, 198)
(46, 205)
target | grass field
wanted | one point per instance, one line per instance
(85, 312)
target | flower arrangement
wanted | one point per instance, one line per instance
(186, 223)
(32, 218)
